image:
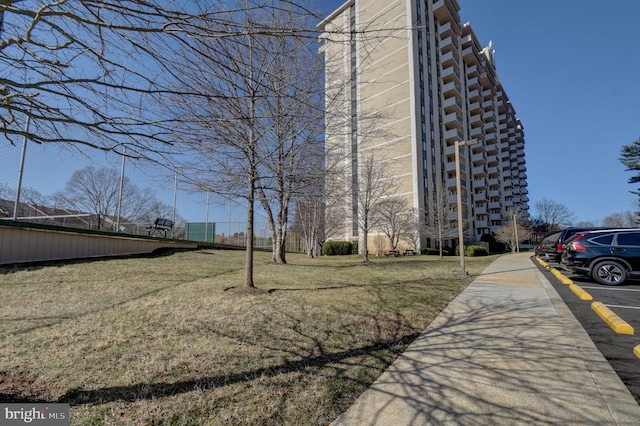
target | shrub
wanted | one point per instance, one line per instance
(475, 251)
(337, 248)
(471, 251)
(430, 251)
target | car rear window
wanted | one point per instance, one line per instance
(630, 239)
(605, 240)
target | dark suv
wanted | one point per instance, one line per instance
(608, 256)
(552, 245)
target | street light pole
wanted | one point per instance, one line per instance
(462, 272)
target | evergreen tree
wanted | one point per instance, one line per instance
(630, 157)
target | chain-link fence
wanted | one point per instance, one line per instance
(34, 179)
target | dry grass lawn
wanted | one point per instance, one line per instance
(159, 340)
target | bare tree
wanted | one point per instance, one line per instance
(584, 223)
(315, 219)
(437, 222)
(96, 191)
(292, 148)
(553, 214)
(626, 219)
(396, 219)
(251, 129)
(374, 185)
(83, 74)
(512, 234)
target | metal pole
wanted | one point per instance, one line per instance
(229, 223)
(124, 153)
(21, 170)
(461, 272)
(515, 229)
(206, 221)
(175, 196)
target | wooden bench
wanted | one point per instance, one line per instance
(161, 226)
(394, 253)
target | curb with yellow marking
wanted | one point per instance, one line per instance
(614, 321)
(544, 264)
(636, 351)
(578, 291)
(560, 277)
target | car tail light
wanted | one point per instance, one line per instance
(575, 245)
(559, 247)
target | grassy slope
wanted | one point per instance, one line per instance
(160, 341)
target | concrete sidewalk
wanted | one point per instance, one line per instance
(506, 351)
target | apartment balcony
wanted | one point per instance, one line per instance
(453, 120)
(479, 171)
(477, 132)
(449, 44)
(449, 59)
(450, 166)
(452, 105)
(495, 193)
(471, 55)
(480, 209)
(489, 116)
(444, 11)
(475, 108)
(492, 153)
(474, 96)
(480, 157)
(451, 135)
(446, 30)
(480, 182)
(451, 183)
(452, 89)
(475, 119)
(494, 181)
(472, 71)
(489, 105)
(481, 197)
(480, 224)
(495, 205)
(488, 79)
(473, 83)
(450, 73)
(493, 171)
(496, 216)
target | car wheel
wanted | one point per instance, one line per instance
(609, 272)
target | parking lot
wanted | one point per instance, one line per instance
(624, 301)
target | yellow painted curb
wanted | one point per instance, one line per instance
(582, 295)
(543, 263)
(614, 321)
(636, 351)
(560, 277)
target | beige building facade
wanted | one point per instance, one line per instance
(405, 82)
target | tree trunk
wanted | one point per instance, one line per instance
(248, 275)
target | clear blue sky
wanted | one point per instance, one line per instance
(571, 69)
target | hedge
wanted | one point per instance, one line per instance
(337, 248)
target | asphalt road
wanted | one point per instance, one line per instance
(624, 301)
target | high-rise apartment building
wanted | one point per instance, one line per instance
(406, 82)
